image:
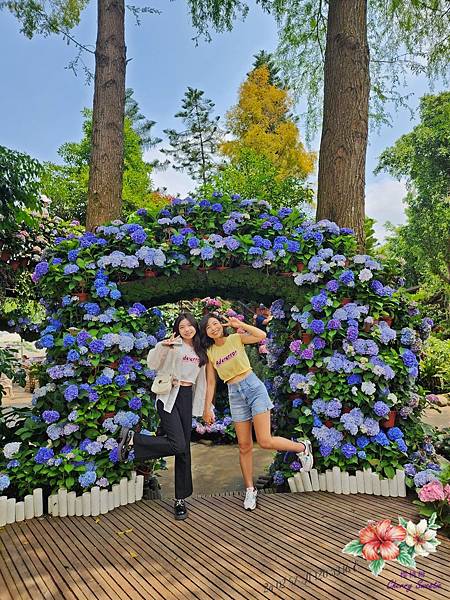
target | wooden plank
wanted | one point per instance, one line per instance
(281, 550)
(8, 589)
(345, 526)
(86, 561)
(250, 562)
(15, 572)
(220, 552)
(52, 532)
(158, 558)
(69, 585)
(108, 542)
(311, 538)
(198, 552)
(22, 548)
(192, 540)
(434, 564)
(341, 526)
(361, 512)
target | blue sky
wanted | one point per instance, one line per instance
(41, 104)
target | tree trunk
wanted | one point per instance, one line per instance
(106, 167)
(342, 157)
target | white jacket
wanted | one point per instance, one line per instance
(167, 360)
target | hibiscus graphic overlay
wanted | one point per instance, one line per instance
(381, 541)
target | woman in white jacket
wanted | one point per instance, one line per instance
(180, 386)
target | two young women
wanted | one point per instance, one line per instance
(192, 356)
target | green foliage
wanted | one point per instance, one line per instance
(404, 37)
(435, 366)
(266, 58)
(244, 283)
(194, 148)
(19, 189)
(371, 240)
(252, 175)
(45, 17)
(67, 184)
(423, 158)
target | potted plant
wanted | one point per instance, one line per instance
(390, 419)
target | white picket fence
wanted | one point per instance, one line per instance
(341, 482)
(67, 504)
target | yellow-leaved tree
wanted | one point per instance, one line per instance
(261, 121)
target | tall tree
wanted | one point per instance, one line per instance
(67, 184)
(194, 149)
(343, 145)
(261, 122)
(106, 166)
(403, 38)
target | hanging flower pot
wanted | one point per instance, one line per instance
(149, 273)
(346, 409)
(345, 301)
(300, 266)
(114, 364)
(82, 296)
(387, 320)
(328, 423)
(108, 415)
(390, 420)
(306, 338)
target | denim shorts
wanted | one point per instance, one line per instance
(248, 398)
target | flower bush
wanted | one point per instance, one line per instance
(342, 358)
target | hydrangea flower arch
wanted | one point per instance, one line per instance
(343, 347)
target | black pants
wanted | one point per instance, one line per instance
(176, 442)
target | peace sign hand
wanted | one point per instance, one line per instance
(234, 322)
(174, 339)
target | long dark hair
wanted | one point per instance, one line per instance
(198, 347)
(207, 342)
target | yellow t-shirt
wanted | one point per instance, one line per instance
(230, 359)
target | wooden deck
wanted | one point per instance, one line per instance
(220, 551)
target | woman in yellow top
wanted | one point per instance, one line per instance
(249, 400)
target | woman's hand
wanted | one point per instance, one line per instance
(174, 339)
(233, 322)
(208, 415)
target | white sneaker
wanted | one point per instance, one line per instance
(250, 498)
(306, 458)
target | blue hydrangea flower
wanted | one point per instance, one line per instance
(4, 482)
(50, 416)
(348, 450)
(43, 455)
(381, 409)
(87, 479)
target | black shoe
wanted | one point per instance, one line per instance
(125, 438)
(180, 510)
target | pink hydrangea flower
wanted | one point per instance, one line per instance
(432, 492)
